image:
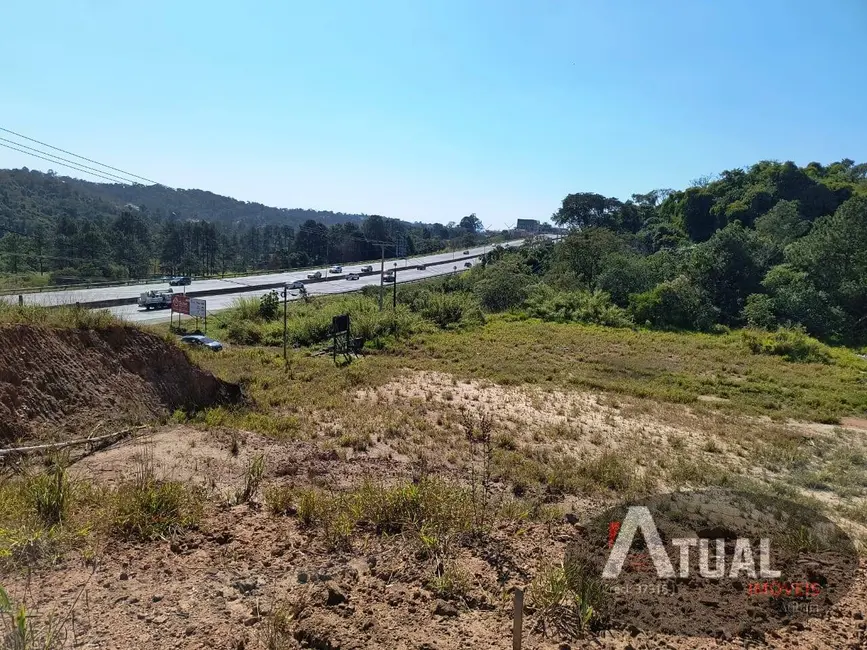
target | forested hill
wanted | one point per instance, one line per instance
(41, 196)
(57, 229)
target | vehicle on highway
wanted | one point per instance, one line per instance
(353, 276)
(156, 299)
(298, 284)
(422, 267)
(336, 269)
(468, 264)
(314, 276)
(367, 269)
(201, 341)
(180, 281)
(388, 278)
(466, 252)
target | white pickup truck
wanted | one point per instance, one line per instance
(156, 299)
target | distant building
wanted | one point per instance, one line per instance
(530, 225)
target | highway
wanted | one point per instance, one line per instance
(243, 284)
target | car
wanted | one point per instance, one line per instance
(388, 277)
(466, 252)
(422, 267)
(336, 269)
(298, 284)
(180, 281)
(353, 276)
(314, 276)
(200, 341)
(367, 269)
(468, 264)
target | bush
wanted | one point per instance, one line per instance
(759, 311)
(676, 304)
(244, 333)
(793, 344)
(575, 306)
(502, 287)
(268, 305)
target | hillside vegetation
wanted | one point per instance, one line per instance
(56, 229)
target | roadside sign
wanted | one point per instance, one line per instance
(198, 308)
(181, 303)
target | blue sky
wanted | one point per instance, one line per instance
(432, 110)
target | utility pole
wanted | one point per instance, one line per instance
(394, 298)
(285, 302)
(381, 273)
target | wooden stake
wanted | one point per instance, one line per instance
(517, 619)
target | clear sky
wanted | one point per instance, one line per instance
(434, 109)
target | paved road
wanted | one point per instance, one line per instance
(224, 301)
(133, 291)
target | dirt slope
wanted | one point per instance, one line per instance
(55, 382)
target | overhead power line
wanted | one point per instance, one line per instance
(95, 162)
(62, 164)
(53, 156)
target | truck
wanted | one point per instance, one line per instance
(156, 299)
(314, 276)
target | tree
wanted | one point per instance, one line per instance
(583, 254)
(783, 224)
(471, 223)
(729, 267)
(587, 210)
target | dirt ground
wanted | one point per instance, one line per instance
(245, 578)
(55, 382)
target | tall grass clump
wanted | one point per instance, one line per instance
(793, 344)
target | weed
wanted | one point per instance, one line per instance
(153, 510)
(50, 493)
(253, 474)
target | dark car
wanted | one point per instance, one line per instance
(468, 264)
(200, 341)
(180, 281)
(466, 252)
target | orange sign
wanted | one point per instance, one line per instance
(181, 303)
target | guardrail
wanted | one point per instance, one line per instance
(138, 281)
(119, 302)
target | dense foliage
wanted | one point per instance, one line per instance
(57, 228)
(774, 245)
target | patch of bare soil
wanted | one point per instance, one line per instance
(227, 583)
(55, 382)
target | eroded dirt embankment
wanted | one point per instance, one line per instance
(56, 382)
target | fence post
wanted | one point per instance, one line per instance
(517, 619)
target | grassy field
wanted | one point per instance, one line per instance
(681, 368)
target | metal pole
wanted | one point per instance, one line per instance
(285, 302)
(394, 298)
(381, 272)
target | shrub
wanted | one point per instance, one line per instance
(675, 304)
(793, 344)
(575, 306)
(244, 332)
(502, 287)
(759, 311)
(446, 309)
(269, 303)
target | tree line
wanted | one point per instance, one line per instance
(770, 245)
(62, 230)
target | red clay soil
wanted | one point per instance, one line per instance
(59, 382)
